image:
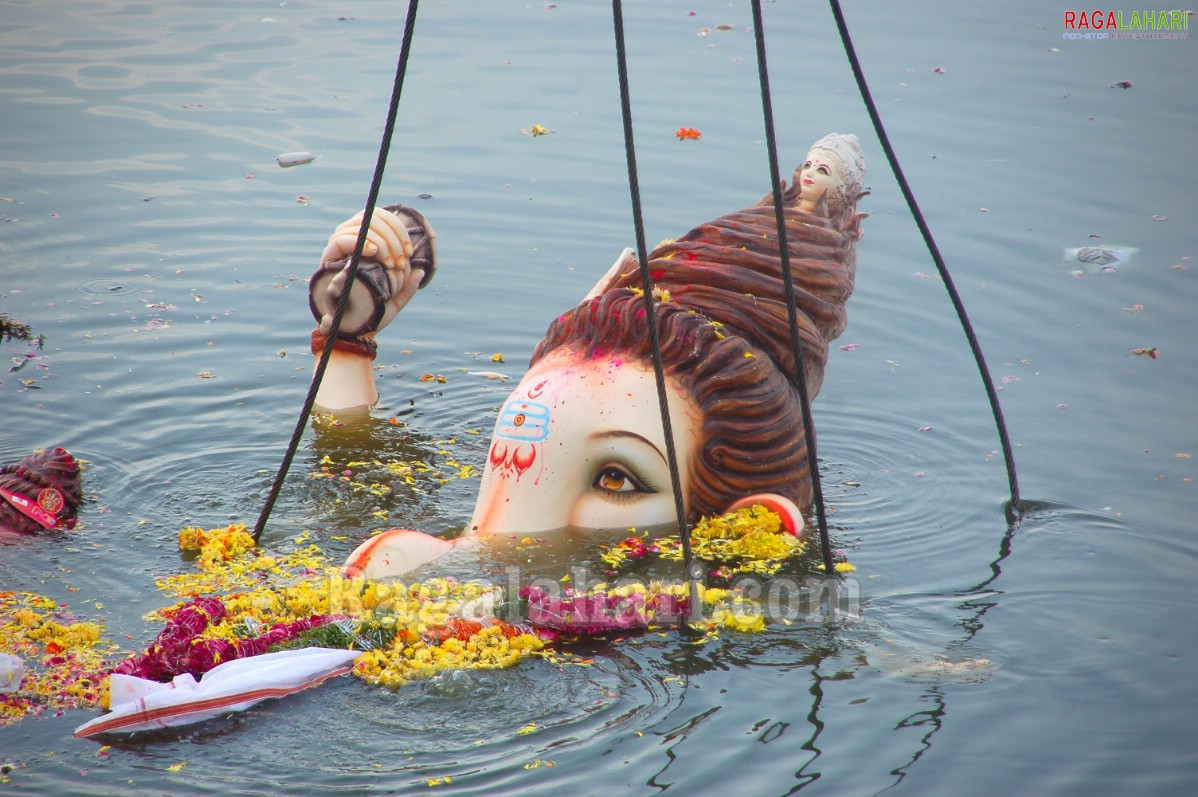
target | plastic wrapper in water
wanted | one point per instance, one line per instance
(12, 671)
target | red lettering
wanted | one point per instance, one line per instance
(1070, 20)
(1083, 21)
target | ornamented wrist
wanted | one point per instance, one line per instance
(361, 345)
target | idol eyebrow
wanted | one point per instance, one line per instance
(626, 433)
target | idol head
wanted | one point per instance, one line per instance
(833, 174)
(580, 442)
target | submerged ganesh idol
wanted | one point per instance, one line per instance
(579, 443)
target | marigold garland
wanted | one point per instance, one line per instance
(183, 647)
(611, 608)
(292, 600)
(241, 601)
(217, 545)
(750, 540)
(63, 659)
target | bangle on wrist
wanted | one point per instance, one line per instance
(361, 345)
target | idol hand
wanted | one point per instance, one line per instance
(394, 553)
(398, 258)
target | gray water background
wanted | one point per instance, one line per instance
(150, 236)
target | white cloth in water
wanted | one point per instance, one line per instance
(138, 704)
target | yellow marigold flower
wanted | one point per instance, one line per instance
(713, 595)
(739, 617)
(191, 538)
(63, 665)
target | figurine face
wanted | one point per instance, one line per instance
(580, 444)
(820, 174)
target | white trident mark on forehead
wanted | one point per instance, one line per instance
(526, 421)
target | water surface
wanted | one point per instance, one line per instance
(150, 236)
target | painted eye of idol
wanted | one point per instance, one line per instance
(614, 481)
(821, 169)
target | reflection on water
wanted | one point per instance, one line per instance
(150, 235)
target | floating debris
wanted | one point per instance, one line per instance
(493, 375)
(12, 329)
(1097, 255)
(289, 159)
(1103, 257)
(12, 672)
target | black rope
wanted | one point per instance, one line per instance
(771, 145)
(651, 311)
(351, 269)
(974, 346)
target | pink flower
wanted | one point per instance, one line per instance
(178, 648)
(600, 612)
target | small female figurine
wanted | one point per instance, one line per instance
(832, 175)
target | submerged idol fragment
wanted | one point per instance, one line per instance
(42, 491)
(579, 443)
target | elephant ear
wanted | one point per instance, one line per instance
(394, 553)
(788, 510)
